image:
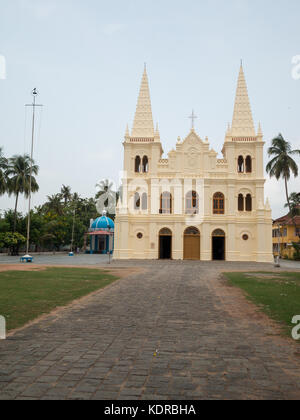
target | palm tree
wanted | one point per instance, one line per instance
(282, 164)
(54, 204)
(105, 187)
(66, 194)
(295, 207)
(3, 169)
(294, 203)
(18, 173)
(75, 197)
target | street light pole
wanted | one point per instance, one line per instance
(73, 231)
(27, 257)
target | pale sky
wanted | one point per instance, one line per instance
(86, 58)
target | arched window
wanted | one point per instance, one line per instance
(145, 164)
(165, 232)
(248, 202)
(137, 164)
(144, 202)
(192, 231)
(241, 166)
(241, 202)
(192, 203)
(248, 164)
(218, 233)
(219, 203)
(137, 201)
(166, 203)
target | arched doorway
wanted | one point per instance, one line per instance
(165, 244)
(218, 245)
(191, 246)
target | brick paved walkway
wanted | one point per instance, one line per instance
(175, 332)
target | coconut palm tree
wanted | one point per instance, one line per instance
(54, 204)
(18, 173)
(295, 204)
(3, 169)
(282, 165)
(66, 194)
(105, 187)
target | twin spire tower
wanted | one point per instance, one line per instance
(242, 123)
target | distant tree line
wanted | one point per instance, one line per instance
(52, 222)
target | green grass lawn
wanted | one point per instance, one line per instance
(25, 295)
(277, 294)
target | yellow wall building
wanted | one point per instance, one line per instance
(193, 205)
(284, 234)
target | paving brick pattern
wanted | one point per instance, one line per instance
(177, 331)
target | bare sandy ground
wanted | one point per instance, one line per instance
(118, 272)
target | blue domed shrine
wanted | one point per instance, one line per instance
(101, 235)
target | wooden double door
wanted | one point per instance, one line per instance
(191, 246)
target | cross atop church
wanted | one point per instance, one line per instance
(193, 117)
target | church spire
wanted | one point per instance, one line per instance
(143, 122)
(242, 123)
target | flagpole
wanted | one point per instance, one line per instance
(27, 257)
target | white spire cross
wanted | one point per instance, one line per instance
(193, 117)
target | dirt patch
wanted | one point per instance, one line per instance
(118, 272)
(18, 267)
(266, 276)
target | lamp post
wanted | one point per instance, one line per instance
(27, 257)
(73, 231)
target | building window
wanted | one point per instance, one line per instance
(241, 202)
(219, 204)
(145, 164)
(139, 235)
(245, 237)
(137, 164)
(137, 201)
(248, 164)
(166, 203)
(297, 231)
(192, 231)
(144, 201)
(241, 166)
(248, 202)
(192, 203)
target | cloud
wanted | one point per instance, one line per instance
(112, 28)
(41, 9)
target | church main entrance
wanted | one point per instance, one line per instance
(165, 244)
(218, 245)
(191, 248)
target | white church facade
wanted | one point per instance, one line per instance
(193, 205)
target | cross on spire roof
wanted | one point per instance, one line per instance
(193, 117)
